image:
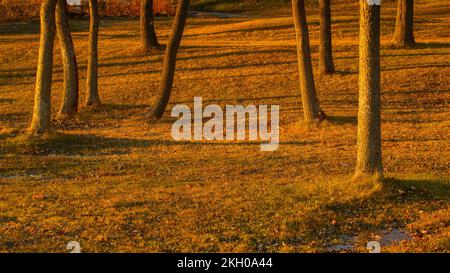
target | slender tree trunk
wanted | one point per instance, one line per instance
(369, 121)
(311, 108)
(148, 34)
(69, 104)
(170, 58)
(42, 111)
(92, 97)
(326, 64)
(404, 28)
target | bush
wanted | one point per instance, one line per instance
(23, 10)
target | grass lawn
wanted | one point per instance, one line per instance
(116, 183)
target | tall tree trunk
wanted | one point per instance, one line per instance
(404, 28)
(326, 64)
(148, 34)
(369, 122)
(311, 108)
(40, 122)
(170, 59)
(69, 104)
(92, 97)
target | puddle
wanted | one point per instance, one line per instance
(385, 237)
(347, 243)
(393, 236)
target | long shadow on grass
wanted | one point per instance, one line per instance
(389, 208)
(92, 145)
(31, 27)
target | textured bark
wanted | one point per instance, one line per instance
(369, 122)
(170, 58)
(404, 28)
(69, 104)
(92, 97)
(311, 108)
(40, 122)
(326, 64)
(148, 34)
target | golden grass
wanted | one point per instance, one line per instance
(116, 183)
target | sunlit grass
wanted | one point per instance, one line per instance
(115, 182)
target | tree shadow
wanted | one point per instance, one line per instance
(372, 213)
(30, 27)
(432, 45)
(7, 100)
(342, 120)
(94, 145)
(346, 72)
(234, 53)
(11, 119)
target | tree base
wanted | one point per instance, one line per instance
(33, 132)
(152, 116)
(327, 70)
(403, 44)
(154, 49)
(365, 177)
(64, 115)
(92, 104)
(312, 124)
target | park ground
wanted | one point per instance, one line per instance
(117, 183)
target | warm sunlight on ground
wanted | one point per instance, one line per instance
(117, 183)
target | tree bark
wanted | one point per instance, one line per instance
(41, 119)
(326, 64)
(311, 108)
(92, 96)
(170, 58)
(404, 28)
(369, 121)
(69, 104)
(148, 34)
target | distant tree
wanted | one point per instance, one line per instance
(170, 59)
(69, 104)
(369, 122)
(41, 119)
(311, 107)
(404, 28)
(148, 34)
(326, 64)
(92, 96)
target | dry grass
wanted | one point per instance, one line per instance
(116, 183)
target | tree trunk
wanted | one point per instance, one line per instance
(311, 108)
(40, 122)
(369, 122)
(70, 97)
(170, 58)
(404, 28)
(92, 97)
(326, 64)
(148, 34)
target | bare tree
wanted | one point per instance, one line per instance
(42, 110)
(148, 34)
(404, 28)
(311, 108)
(69, 104)
(170, 59)
(369, 122)
(326, 64)
(92, 96)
